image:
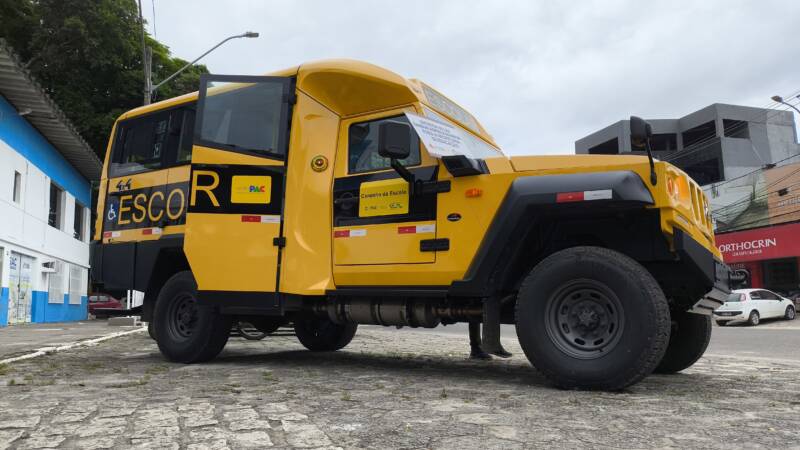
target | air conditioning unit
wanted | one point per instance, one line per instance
(48, 267)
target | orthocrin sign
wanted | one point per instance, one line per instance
(782, 241)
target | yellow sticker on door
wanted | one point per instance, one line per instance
(383, 198)
(251, 189)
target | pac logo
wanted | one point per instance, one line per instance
(251, 189)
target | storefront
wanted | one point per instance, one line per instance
(768, 256)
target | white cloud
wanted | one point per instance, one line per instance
(539, 75)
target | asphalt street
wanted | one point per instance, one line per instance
(776, 340)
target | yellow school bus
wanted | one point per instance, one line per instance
(339, 193)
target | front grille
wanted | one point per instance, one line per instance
(727, 313)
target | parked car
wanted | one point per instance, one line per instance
(100, 302)
(752, 305)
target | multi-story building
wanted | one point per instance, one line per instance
(748, 162)
(45, 196)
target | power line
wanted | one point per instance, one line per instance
(760, 193)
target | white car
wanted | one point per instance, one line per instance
(752, 305)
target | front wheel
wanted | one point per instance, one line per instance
(185, 331)
(790, 313)
(722, 323)
(754, 319)
(322, 335)
(592, 318)
(688, 340)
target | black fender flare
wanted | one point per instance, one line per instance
(530, 193)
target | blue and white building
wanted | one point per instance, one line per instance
(45, 201)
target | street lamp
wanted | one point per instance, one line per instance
(779, 99)
(149, 91)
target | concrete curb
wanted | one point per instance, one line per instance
(87, 343)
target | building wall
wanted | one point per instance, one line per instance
(24, 227)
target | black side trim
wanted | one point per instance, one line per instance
(389, 291)
(529, 194)
(222, 192)
(346, 193)
(128, 265)
(231, 302)
(434, 245)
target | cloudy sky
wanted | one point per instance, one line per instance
(538, 75)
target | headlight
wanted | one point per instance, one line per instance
(678, 187)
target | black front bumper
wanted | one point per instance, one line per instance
(714, 274)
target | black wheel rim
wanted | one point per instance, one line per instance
(182, 317)
(585, 319)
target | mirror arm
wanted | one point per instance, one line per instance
(653, 177)
(404, 174)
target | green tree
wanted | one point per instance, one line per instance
(87, 55)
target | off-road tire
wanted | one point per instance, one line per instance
(186, 332)
(790, 313)
(151, 329)
(640, 342)
(722, 323)
(322, 335)
(754, 319)
(688, 340)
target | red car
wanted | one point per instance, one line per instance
(100, 302)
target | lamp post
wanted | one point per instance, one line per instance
(779, 99)
(149, 90)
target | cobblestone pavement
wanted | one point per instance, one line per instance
(388, 389)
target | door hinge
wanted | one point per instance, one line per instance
(434, 245)
(279, 242)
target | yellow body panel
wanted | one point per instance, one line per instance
(306, 266)
(245, 260)
(374, 244)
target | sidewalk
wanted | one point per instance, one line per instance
(18, 340)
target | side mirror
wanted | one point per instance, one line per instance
(640, 131)
(394, 140)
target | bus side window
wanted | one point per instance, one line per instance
(150, 142)
(187, 135)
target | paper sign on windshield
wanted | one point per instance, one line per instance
(440, 138)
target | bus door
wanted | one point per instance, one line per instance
(376, 221)
(235, 203)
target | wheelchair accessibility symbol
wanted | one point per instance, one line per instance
(112, 214)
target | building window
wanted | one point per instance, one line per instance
(699, 134)
(17, 194)
(736, 128)
(664, 142)
(55, 283)
(55, 217)
(77, 224)
(610, 147)
(76, 285)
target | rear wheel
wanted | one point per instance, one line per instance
(754, 319)
(790, 313)
(185, 331)
(322, 335)
(688, 341)
(592, 318)
(151, 329)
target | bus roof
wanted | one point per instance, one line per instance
(349, 88)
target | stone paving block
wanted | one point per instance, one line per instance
(304, 435)
(8, 437)
(20, 422)
(41, 441)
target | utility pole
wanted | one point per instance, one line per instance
(146, 61)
